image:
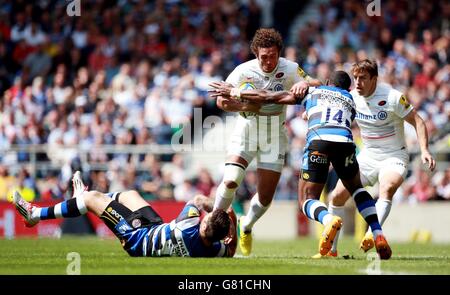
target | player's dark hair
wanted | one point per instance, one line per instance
(265, 38)
(366, 65)
(218, 225)
(341, 79)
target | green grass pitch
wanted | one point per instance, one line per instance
(105, 256)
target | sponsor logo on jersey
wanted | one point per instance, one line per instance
(136, 223)
(382, 103)
(180, 249)
(366, 117)
(122, 227)
(399, 164)
(193, 212)
(114, 212)
(318, 158)
(404, 101)
(301, 73)
(278, 87)
(382, 115)
(279, 75)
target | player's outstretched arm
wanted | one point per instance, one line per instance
(232, 105)
(266, 96)
(223, 89)
(417, 122)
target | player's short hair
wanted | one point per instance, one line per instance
(366, 65)
(265, 38)
(218, 225)
(341, 79)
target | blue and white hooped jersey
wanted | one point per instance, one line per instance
(181, 237)
(330, 111)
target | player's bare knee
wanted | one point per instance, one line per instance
(90, 197)
(132, 193)
(387, 191)
(233, 175)
(230, 184)
(338, 199)
(339, 196)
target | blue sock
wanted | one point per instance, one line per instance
(69, 208)
(366, 207)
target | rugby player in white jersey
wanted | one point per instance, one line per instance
(259, 130)
(139, 228)
(330, 111)
(381, 113)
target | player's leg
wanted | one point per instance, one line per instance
(241, 151)
(366, 207)
(89, 201)
(309, 194)
(339, 196)
(267, 181)
(390, 174)
(390, 180)
(314, 175)
(337, 199)
(234, 173)
(347, 169)
(130, 199)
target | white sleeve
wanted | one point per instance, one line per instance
(400, 103)
(235, 77)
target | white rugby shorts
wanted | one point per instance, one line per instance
(262, 137)
(371, 166)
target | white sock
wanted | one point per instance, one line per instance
(383, 207)
(36, 213)
(254, 213)
(327, 218)
(337, 211)
(224, 197)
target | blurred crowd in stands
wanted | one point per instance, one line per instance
(127, 72)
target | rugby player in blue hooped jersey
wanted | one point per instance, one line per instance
(139, 228)
(330, 111)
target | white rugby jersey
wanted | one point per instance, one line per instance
(283, 77)
(380, 118)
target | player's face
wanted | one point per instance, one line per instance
(268, 58)
(365, 85)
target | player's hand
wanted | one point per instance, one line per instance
(220, 89)
(299, 89)
(427, 158)
(305, 116)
